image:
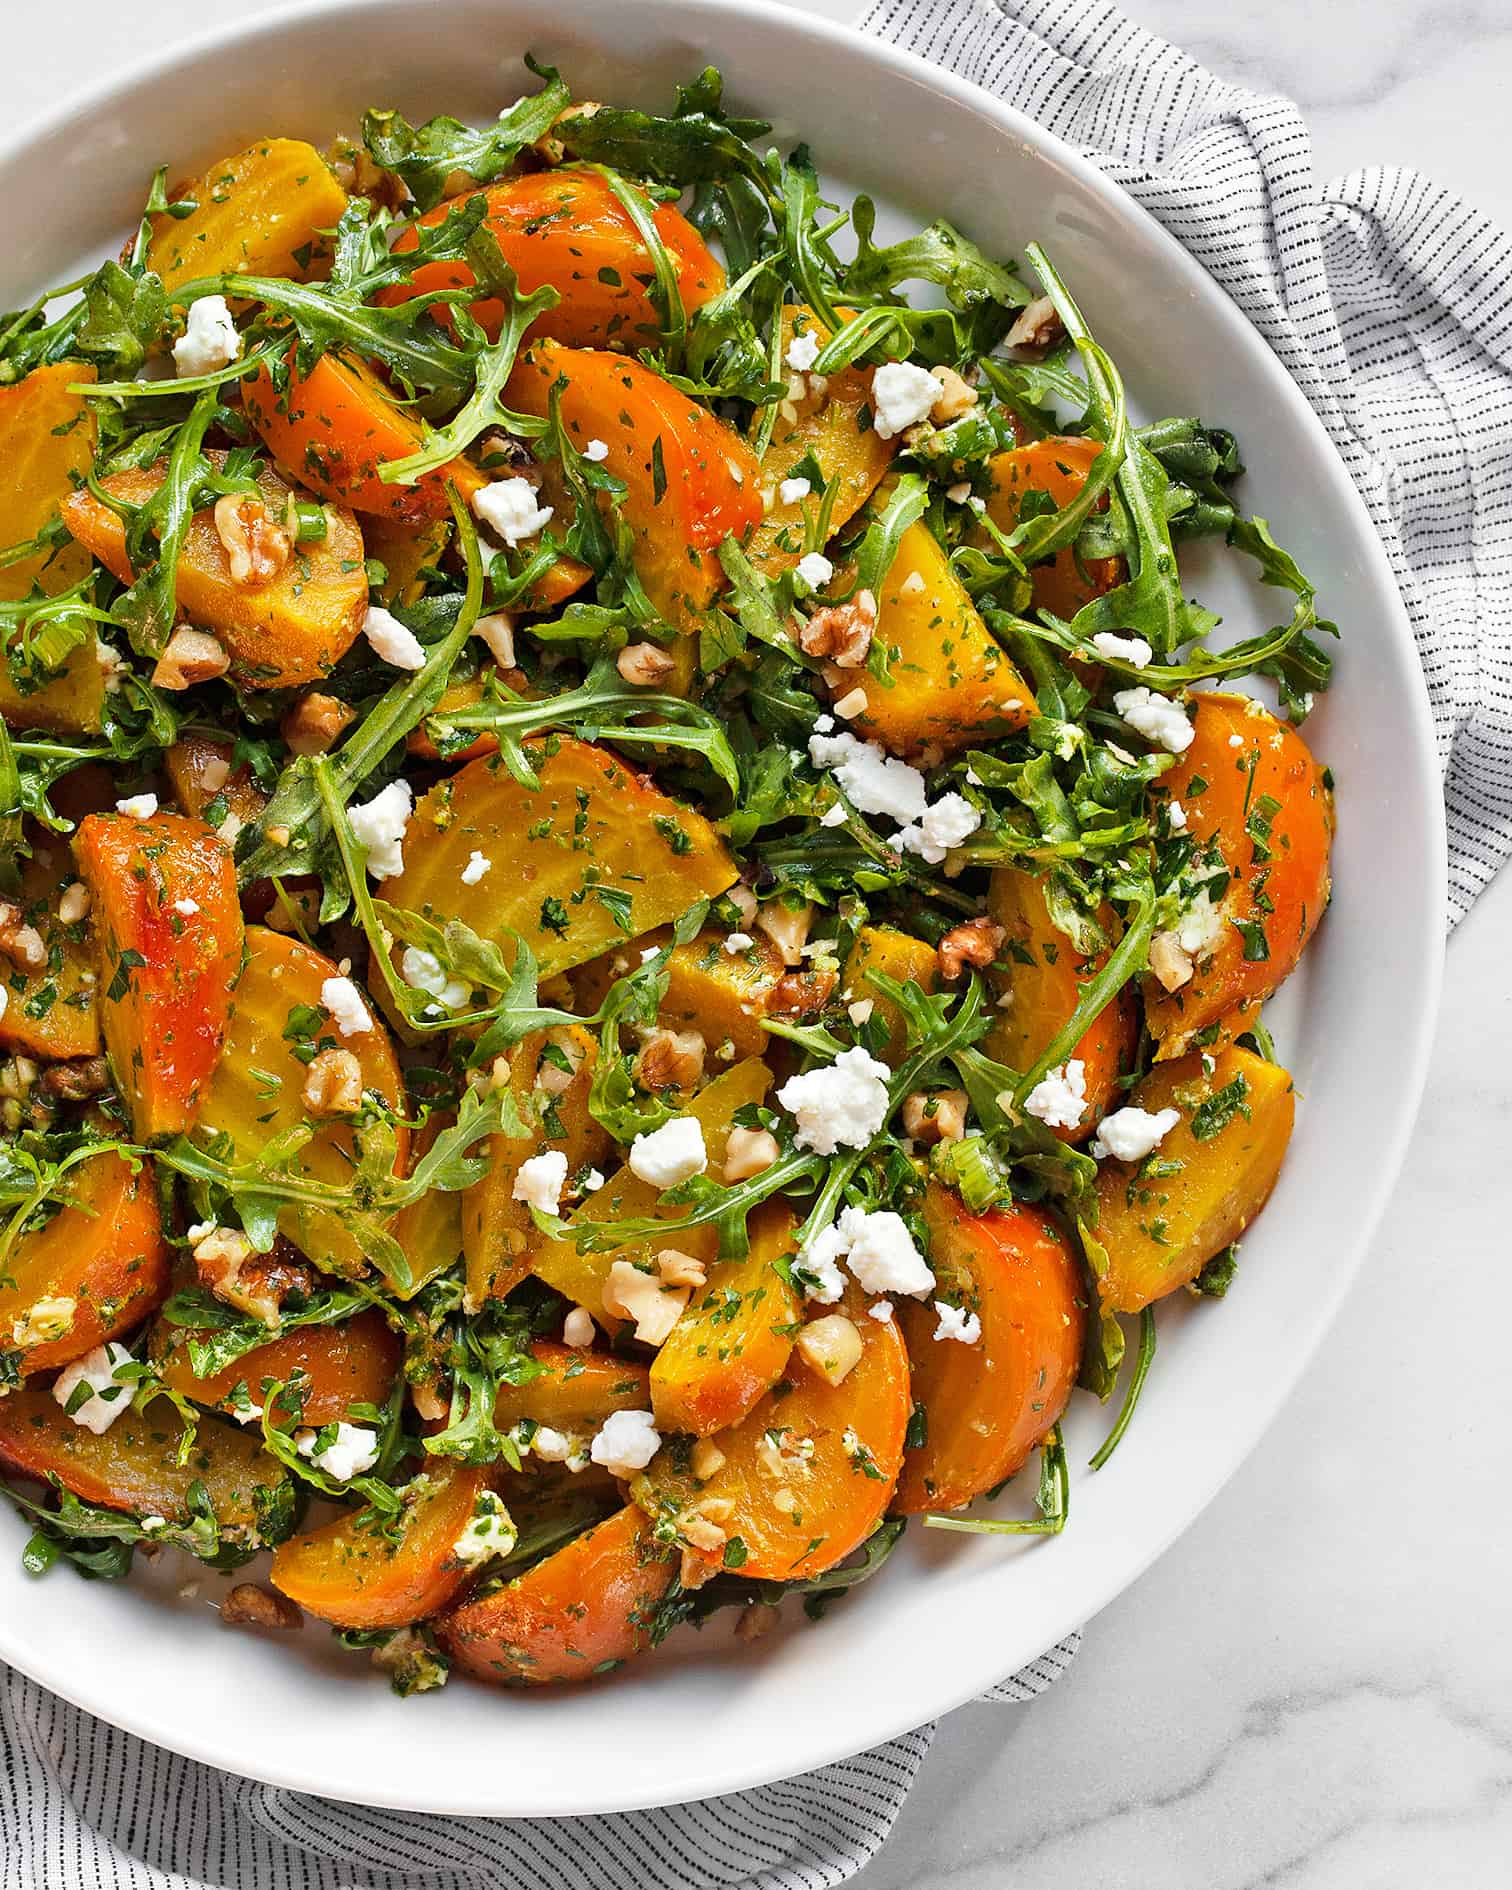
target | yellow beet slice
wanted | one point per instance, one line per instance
(260, 212)
(898, 956)
(723, 995)
(52, 1012)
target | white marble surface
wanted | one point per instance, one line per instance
(1313, 1689)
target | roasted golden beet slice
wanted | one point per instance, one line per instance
(289, 630)
(582, 1610)
(1045, 976)
(898, 956)
(1256, 801)
(988, 1405)
(936, 700)
(690, 480)
(734, 1338)
(825, 423)
(339, 1366)
(52, 1010)
(168, 928)
(47, 439)
(624, 1197)
(260, 212)
(278, 1022)
(577, 1390)
(566, 229)
(199, 769)
(104, 1256)
(1160, 1221)
(357, 1574)
(1057, 467)
(807, 1476)
(597, 853)
(134, 1466)
(722, 995)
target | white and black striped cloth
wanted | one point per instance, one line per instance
(1388, 301)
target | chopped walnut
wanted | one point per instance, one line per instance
(1038, 326)
(938, 1118)
(315, 722)
(703, 1528)
(787, 927)
(333, 1084)
(957, 396)
(191, 656)
(670, 1059)
(706, 1459)
(256, 545)
(76, 1081)
(74, 904)
(21, 943)
(644, 664)
(247, 1605)
(550, 148)
(1171, 965)
(976, 942)
(256, 1283)
(755, 1621)
(841, 632)
(832, 1346)
(643, 1297)
(749, 1152)
(550, 1075)
(693, 1570)
(680, 1269)
(801, 993)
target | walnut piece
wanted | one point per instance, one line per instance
(644, 664)
(655, 1307)
(333, 1084)
(670, 1059)
(957, 396)
(256, 1283)
(937, 1118)
(191, 656)
(21, 943)
(249, 1606)
(315, 722)
(257, 547)
(680, 1269)
(976, 942)
(1038, 326)
(842, 633)
(76, 1081)
(1170, 964)
(801, 993)
(787, 927)
(832, 1346)
(749, 1152)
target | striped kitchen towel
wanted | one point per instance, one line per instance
(1387, 300)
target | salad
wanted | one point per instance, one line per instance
(634, 905)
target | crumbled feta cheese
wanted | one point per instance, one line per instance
(392, 640)
(843, 1103)
(738, 942)
(1236, 741)
(350, 1453)
(509, 509)
(1059, 1098)
(1200, 926)
(860, 1012)
(490, 1531)
(648, 953)
(956, 1323)
(958, 494)
(675, 1152)
(792, 490)
(209, 340)
(540, 1179)
(497, 631)
(823, 724)
(344, 1001)
(553, 1446)
(803, 351)
(477, 865)
(819, 1266)
(4, 999)
(835, 816)
(902, 396)
(949, 822)
(1159, 720)
(1176, 815)
(107, 1398)
(578, 1328)
(423, 971)
(873, 781)
(1130, 1134)
(138, 806)
(596, 450)
(592, 1182)
(1132, 650)
(882, 1311)
(379, 824)
(627, 1442)
(815, 569)
(881, 1254)
(186, 908)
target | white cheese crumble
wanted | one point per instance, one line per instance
(675, 1152)
(186, 908)
(540, 1179)
(1236, 741)
(803, 351)
(792, 490)
(815, 569)
(956, 1323)
(947, 823)
(344, 1001)
(423, 971)
(873, 781)
(592, 1182)
(1132, 650)
(392, 640)
(209, 340)
(490, 1531)
(1059, 1098)
(379, 824)
(1159, 720)
(497, 631)
(477, 865)
(819, 1266)
(1176, 815)
(882, 1311)
(1130, 1134)
(596, 450)
(902, 396)
(107, 1397)
(842, 1104)
(138, 806)
(350, 1453)
(627, 1442)
(835, 816)
(4, 999)
(1200, 926)
(508, 507)
(738, 942)
(881, 1254)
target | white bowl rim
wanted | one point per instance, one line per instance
(215, 1747)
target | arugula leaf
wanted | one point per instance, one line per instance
(125, 313)
(939, 254)
(428, 158)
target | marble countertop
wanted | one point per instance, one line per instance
(1313, 1689)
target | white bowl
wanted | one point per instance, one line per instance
(950, 1615)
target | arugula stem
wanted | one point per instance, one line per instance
(1131, 1397)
